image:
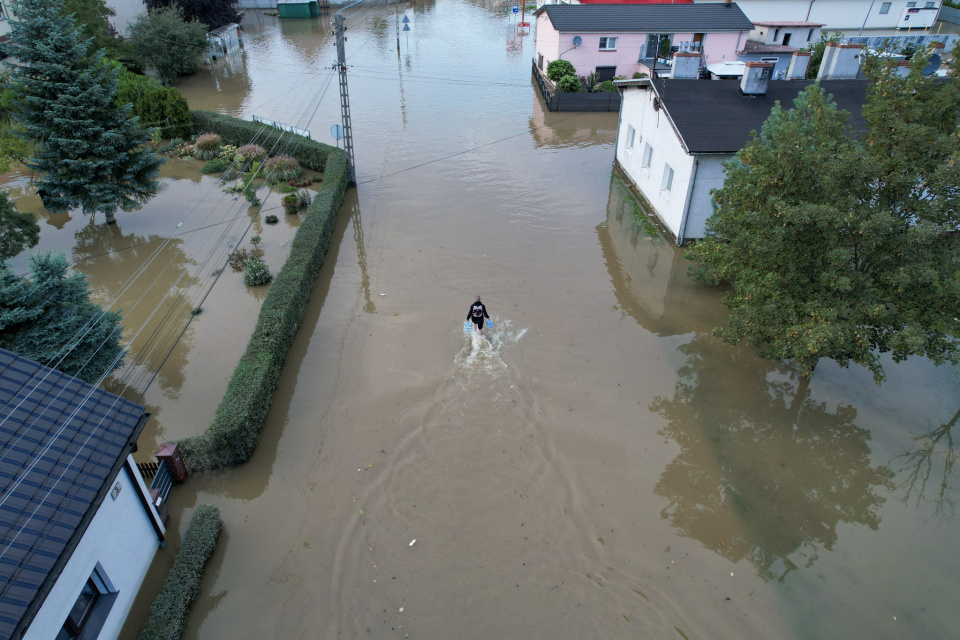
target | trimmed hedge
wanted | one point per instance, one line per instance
(169, 610)
(233, 435)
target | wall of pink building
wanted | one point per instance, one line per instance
(548, 40)
(588, 56)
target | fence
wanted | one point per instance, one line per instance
(148, 469)
(580, 101)
(899, 43)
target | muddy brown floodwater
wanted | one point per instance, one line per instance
(599, 466)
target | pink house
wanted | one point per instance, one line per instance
(621, 39)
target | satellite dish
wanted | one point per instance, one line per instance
(577, 40)
(933, 63)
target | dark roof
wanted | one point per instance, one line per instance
(791, 23)
(714, 117)
(646, 18)
(62, 443)
(949, 14)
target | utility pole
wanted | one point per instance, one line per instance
(344, 99)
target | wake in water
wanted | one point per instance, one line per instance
(484, 355)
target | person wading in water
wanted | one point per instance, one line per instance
(477, 313)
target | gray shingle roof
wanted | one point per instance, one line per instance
(714, 117)
(62, 443)
(646, 18)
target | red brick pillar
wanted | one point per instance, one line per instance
(170, 455)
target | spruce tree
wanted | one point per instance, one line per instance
(90, 153)
(49, 318)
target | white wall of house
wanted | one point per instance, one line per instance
(547, 40)
(653, 128)
(709, 175)
(798, 37)
(121, 538)
(845, 15)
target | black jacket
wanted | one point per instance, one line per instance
(478, 306)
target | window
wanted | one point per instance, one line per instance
(608, 44)
(810, 35)
(885, 8)
(667, 183)
(776, 34)
(90, 610)
(631, 133)
(910, 5)
(647, 156)
(929, 5)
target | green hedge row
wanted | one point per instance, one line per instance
(169, 610)
(235, 430)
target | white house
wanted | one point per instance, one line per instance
(674, 135)
(874, 17)
(79, 530)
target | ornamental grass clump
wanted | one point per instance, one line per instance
(169, 611)
(248, 154)
(282, 167)
(207, 146)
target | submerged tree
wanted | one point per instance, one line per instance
(18, 230)
(842, 248)
(212, 13)
(49, 318)
(167, 43)
(90, 153)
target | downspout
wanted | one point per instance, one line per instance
(809, 9)
(686, 205)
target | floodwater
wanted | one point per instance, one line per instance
(598, 466)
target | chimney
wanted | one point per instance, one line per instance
(756, 78)
(798, 65)
(840, 61)
(728, 3)
(686, 65)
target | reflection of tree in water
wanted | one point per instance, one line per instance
(764, 471)
(929, 468)
(110, 259)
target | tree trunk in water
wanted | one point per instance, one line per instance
(110, 218)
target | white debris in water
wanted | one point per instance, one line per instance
(383, 294)
(414, 540)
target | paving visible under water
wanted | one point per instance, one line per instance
(598, 467)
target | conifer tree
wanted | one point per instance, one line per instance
(90, 153)
(842, 248)
(18, 230)
(49, 318)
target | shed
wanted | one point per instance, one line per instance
(223, 40)
(298, 9)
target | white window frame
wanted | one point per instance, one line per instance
(606, 42)
(885, 8)
(666, 185)
(647, 156)
(631, 137)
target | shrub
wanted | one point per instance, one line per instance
(156, 106)
(207, 146)
(169, 610)
(215, 166)
(607, 85)
(303, 200)
(248, 154)
(256, 273)
(282, 167)
(228, 152)
(637, 75)
(290, 204)
(558, 69)
(271, 219)
(232, 436)
(170, 146)
(239, 259)
(569, 84)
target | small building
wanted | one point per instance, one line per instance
(223, 41)
(675, 135)
(79, 529)
(298, 9)
(623, 39)
(872, 17)
(777, 41)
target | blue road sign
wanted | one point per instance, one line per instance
(336, 131)
(516, 8)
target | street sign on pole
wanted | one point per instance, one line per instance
(406, 27)
(516, 8)
(336, 131)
